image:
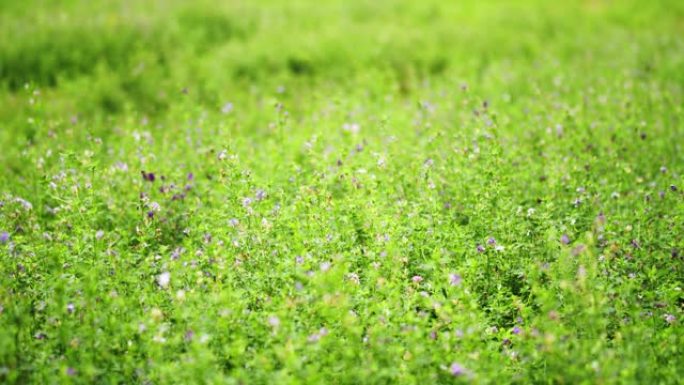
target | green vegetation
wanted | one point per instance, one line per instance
(341, 192)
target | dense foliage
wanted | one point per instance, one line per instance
(341, 192)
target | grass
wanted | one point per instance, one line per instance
(341, 192)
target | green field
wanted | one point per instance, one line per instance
(341, 192)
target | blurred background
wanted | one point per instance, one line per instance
(137, 55)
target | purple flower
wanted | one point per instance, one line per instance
(148, 176)
(4, 237)
(189, 335)
(317, 336)
(491, 241)
(177, 253)
(456, 369)
(669, 318)
(121, 166)
(455, 279)
(516, 330)
(70, 308)
(417, 279)
(260, 195)
(24, 203)
(178, 197)
(191, 176)
(70, 371)
(565, 239)
(99, 234)
(480, 248)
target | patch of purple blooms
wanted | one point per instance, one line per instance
(149, 177)
(318, 335)
(456, 369)
(565, 239)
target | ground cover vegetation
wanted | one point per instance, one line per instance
(341, 192)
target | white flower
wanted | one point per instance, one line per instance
(354, 128)
(163, 279)
(325, 266)
(180, 295)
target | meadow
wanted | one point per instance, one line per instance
(341, 192)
